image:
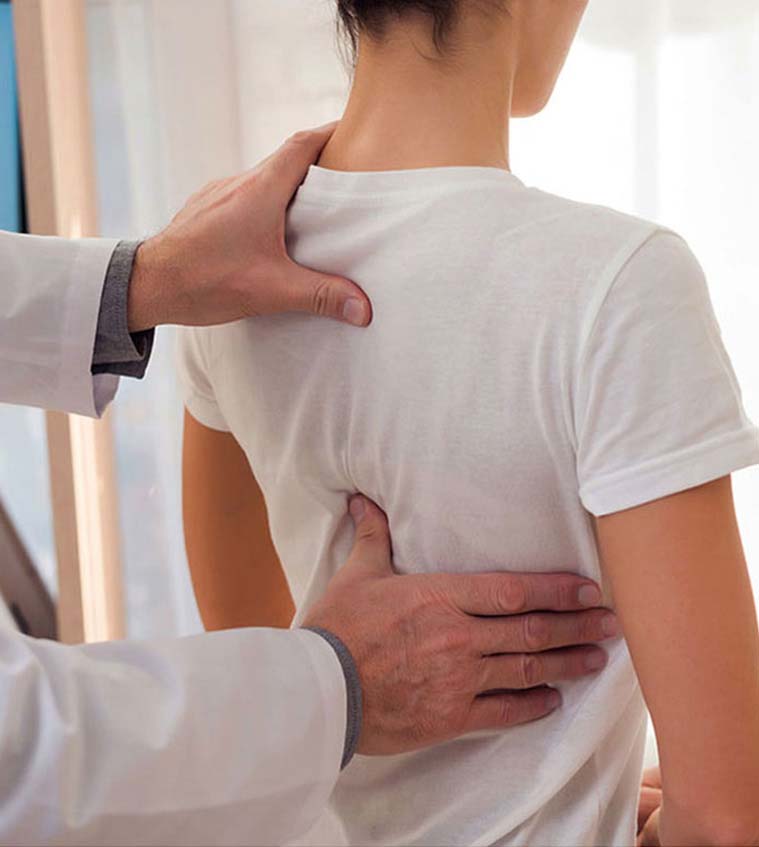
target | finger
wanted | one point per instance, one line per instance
(371, 553)
(497, 711)
(327, 296)
(649, 801)
(289, 164)
(541, 631)
(528, 670)
(649, 837)
(652, 777)
(511, 593)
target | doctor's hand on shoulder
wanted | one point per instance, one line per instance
(224, 257)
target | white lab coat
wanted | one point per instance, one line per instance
(229, 738)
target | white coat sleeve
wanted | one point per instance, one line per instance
(50, 291)
(225, 738)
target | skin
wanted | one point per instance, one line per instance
(412, 107)
(225, 521)
(649, 803)
(682, 592)
(425, 646)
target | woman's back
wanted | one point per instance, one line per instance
(529, 365)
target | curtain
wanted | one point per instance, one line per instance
(657, 114)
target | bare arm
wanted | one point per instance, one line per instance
(683, 596)
(237, 576)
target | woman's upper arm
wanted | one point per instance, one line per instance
(236, 573)
(682, 592)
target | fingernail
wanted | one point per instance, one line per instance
(357, 509)
(553, 699)
(610, 626)
(589, 595)
(596, 660)
(354, 311)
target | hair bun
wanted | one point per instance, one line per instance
(372, 16)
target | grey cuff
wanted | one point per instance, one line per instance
(117, 351)
(353, 691)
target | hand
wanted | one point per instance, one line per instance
(649, 835)
(441, 655)
(224, 257)
(648, 808)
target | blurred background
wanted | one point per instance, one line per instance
(657, 114)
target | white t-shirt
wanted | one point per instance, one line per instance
(532, 362)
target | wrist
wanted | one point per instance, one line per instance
(146, 288)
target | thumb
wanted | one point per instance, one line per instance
(291, 162)
(652, 777)
(371, 553)
(328, 296)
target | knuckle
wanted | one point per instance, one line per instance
(530, 670)
(506, 711)
(536, 632)
(298, 139)
(366, 532)
(589, 628)
(370, 532)
(457, 639)
(484, 677)
(511, 595)
(570, 666)
(566, 594)
(462, 687)
(366, 527)
(321, 298)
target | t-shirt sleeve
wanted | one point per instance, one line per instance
(194, 378)
(657, 406)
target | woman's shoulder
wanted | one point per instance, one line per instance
(608, 243)
(596, 224)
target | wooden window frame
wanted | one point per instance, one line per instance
(51, 51)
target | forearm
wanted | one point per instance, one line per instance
(710, 757)
(684, 599)
(705, 828)
(237, 577)
(236, 573)
(253, 594)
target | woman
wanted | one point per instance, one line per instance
(541, 377)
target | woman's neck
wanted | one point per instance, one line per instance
(407, 110)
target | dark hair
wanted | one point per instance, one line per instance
(371, 16)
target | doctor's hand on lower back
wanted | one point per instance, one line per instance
(441, 655)
(224, 257)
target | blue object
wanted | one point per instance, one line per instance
(10, 154)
